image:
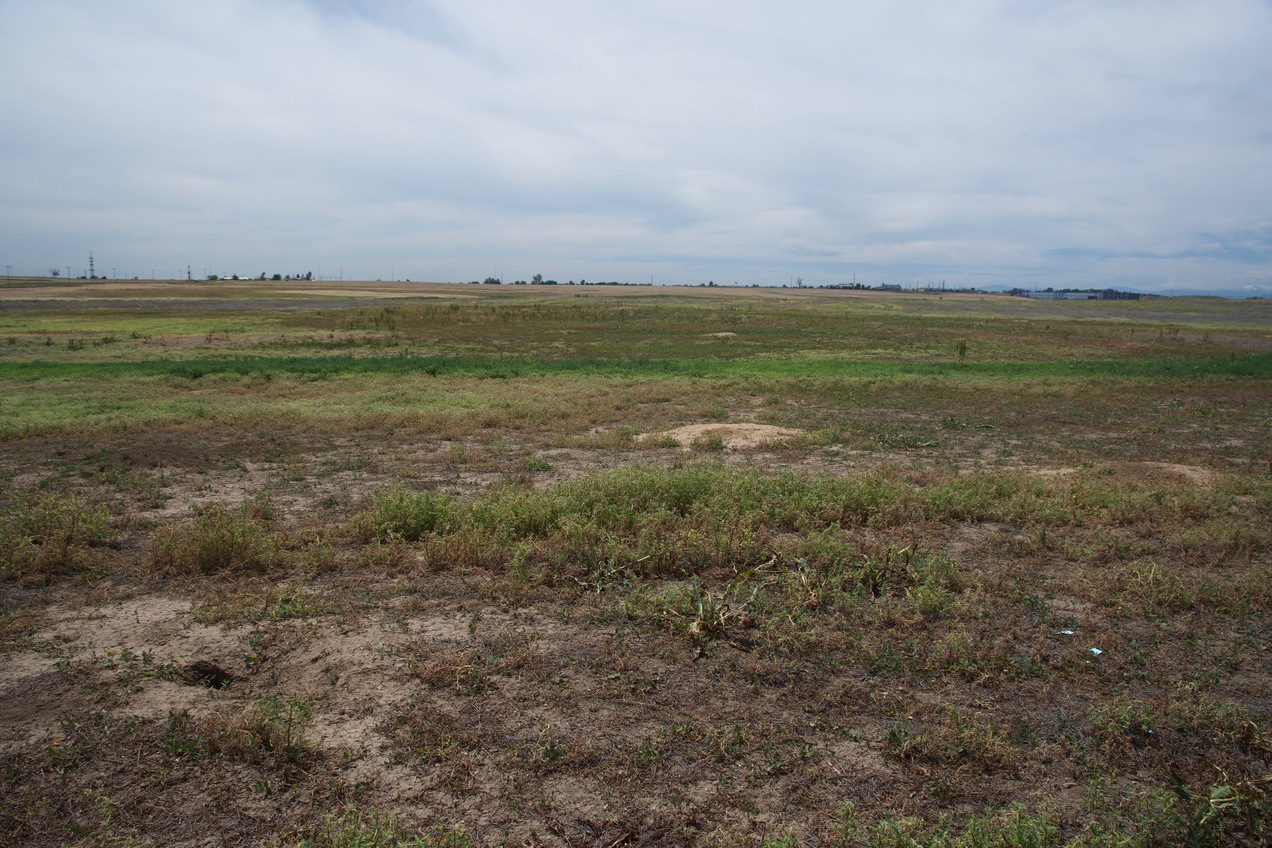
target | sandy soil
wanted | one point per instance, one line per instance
(734, 436)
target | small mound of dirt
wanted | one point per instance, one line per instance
(721, 335)
(734, 436)
(1144, 472)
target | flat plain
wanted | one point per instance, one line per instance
(377, 564)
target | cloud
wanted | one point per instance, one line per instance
(1063, 141)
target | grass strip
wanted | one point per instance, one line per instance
(1213, 367)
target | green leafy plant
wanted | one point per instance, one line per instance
(399, 513)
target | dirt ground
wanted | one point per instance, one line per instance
(452, 701)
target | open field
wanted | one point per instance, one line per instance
(376, 564)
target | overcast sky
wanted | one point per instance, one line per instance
(1120, 143)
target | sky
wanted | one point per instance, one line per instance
(1030, 143)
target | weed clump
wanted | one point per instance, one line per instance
(400, 514)
(46, 534)
(270, 730)
(355, 827)
(218, 541)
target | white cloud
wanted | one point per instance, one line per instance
(1081, 141)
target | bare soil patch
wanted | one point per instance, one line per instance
(733, 436)
(1144, 472)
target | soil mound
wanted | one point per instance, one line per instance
(1146, 472)
(734, 436)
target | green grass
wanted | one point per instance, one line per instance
(1230, 366)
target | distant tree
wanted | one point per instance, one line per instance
(309, 275)
(491, 281)
(277, 277)
(53, 272)
(213, 277)
(537, 280)
(262, 276)
(235, 277)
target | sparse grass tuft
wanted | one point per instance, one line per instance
(357, 827)
(959, 738)
(269, 730)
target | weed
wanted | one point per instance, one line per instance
(44, 534)
(270, 730)
(466, 671)
(218, 541)
(709, 442)
(551, 752)
(357, 827)
(1122, 721)
(707, 615)
(959, 738)
(74, 741)
(1162, 589)
(261, 603)
(181, 738)
(399, 513)
(437, 739)
(1228, 813)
